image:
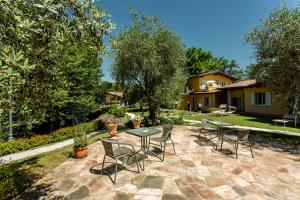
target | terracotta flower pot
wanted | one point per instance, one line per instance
(80, 152)
(136, 123)
(112, 129)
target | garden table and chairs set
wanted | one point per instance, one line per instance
(233, 136)
(119, 150)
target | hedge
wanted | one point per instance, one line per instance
(22, 144)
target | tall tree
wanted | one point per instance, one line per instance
(39, 32)
(277, 50)
(149, 57)
(199, 61)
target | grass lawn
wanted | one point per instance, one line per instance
(16, 177)
(236, 119)
(247, 120)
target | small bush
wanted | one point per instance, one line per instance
(116, 102)
(57, 136)
(117, 110)
(172, 120)
(9, 176)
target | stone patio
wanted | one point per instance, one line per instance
(197, 171)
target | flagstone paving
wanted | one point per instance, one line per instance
(197, 171)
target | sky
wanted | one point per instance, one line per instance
(213, 25)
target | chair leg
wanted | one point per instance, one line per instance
(164, 151)
(222, 143)
(137, 163)
(103, 161)
(173, 146)
(116, 170)
(250, 145)
(236, 149)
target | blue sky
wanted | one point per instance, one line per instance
(214, 25)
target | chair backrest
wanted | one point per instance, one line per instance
(243, 134)
(231, 109)
(204, 123)
(223, 107)
(167, 131)
(108, 147)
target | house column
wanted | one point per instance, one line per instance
(228, 98)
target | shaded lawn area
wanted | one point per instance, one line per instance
(17, 176)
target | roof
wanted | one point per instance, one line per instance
(216, 72)
(119, 94)
(244, 84)
(207, 92)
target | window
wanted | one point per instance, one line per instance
(261, 99)
(223, 83)
(203, 82)
(207, 101)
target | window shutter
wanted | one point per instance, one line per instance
(268, 99)
(209, 101)
(252, 100)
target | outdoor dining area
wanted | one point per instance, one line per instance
(178, 162)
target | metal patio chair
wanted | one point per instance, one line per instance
(206, 129)
(166, 136)
(119, 152)
(242, 137)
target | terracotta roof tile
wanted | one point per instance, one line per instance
(243, 84)
(119, 94)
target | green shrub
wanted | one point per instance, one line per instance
(9, 176)
(57, 136)
(178, 120)
(117, 110)
(117, 102)
(80, 141)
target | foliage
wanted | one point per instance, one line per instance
(80, 140)
(199, 61)
(176, 120)
(43, 46)
(277, 49)
(112, 120)
(117, 110)
(57, 136)
(254, 71)
(149, 58)
(16, 177)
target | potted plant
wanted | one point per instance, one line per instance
(112, 125)
(80, 146)
(136, 121)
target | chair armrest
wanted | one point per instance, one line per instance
(127, 144)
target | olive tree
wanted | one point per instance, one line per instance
(277, 50)
(149, 57)
(35, 36)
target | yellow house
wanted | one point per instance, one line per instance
(252, 96)
(204, 90)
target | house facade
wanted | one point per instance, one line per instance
(215, 88)
(205, 91)
(252, 96)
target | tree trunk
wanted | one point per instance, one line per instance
(153, 111)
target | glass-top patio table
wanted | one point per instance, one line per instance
(144, 134)
(220, 126)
